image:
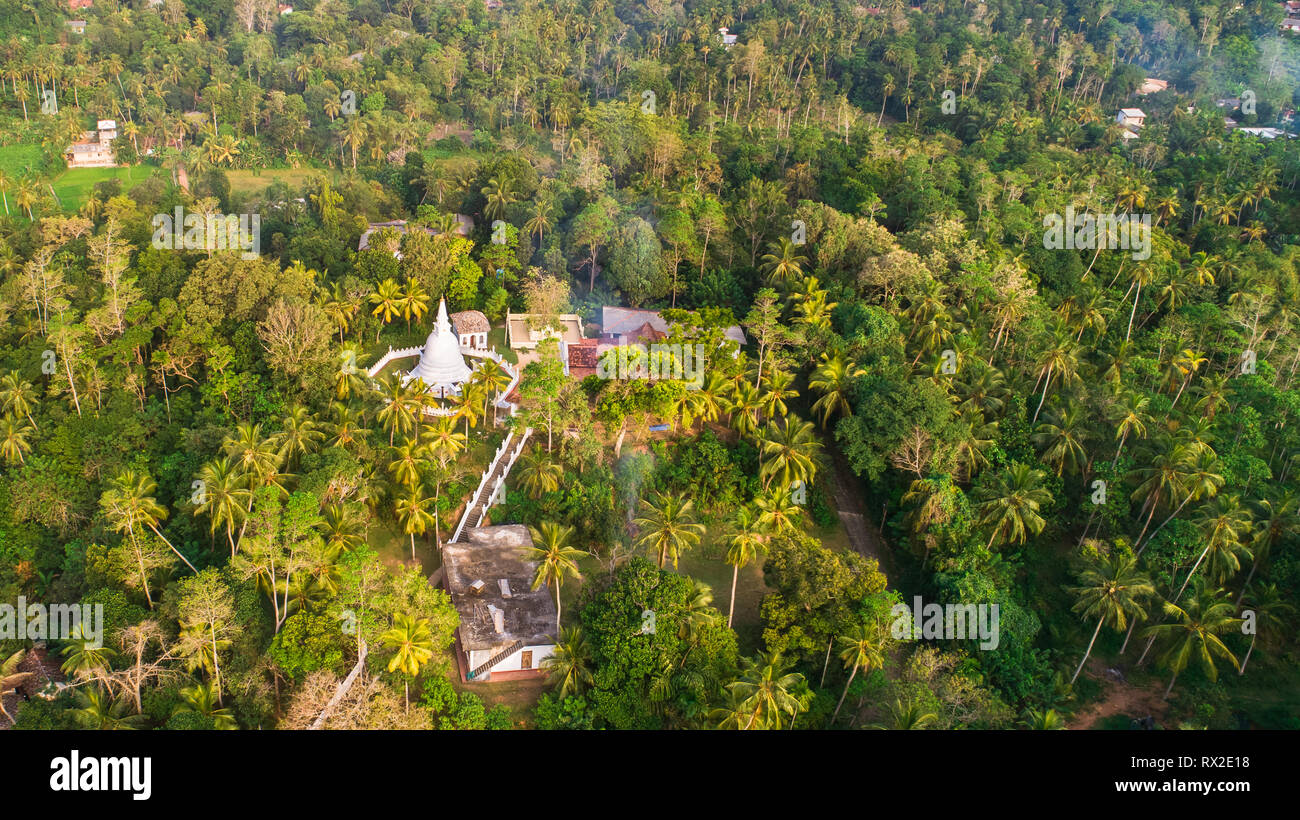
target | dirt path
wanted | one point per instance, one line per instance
(1120, 698)
(862, 533)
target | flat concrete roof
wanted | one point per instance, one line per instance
(492, 555)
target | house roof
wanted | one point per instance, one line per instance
(464, 225)
(618, 321)
(470, 321)
(490, 555)
(1132, 112)
(584, 357)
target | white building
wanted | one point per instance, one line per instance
(506, 627)
(728, 39)
(1131, 117)
(442, 368)
(95, 148)
(471, 328)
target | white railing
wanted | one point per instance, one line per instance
(473, 499)
(500, 403)
(499, 486)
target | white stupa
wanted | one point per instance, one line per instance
(441, 367)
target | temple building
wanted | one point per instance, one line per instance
(442, 366)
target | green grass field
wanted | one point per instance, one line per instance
(250, 182)
(19, 160)
(74, 186)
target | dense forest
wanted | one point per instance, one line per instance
(931, 401)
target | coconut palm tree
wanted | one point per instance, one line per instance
(17, 397)
(14, 443)
(224, 497)
(408, 458)
(388, 301)
(859, 649)
(832, 379)
(555, 559)
(1195, 636)
(569, 666)
(86, 659)
(1062, 435)
(668, 526)
(1010, 503)
(764, 693)
(1047, 720)
(299, 434)
(413, 512)
(412, 645)
(97, 709)
(909, 716)
(783, 263)
(747, 543)
(789, 451)
(1271, 614)
(1112, 590)
(777, 511)
(129, 503)
(538, 474)
(400, 405)
(1130, 417)
(414, 301)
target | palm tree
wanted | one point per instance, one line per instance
(910, 715)
(86, 659)
(17, 397)
(784, 263)
(300, 434)
(778, 512)
(789, 453)
(413, 512)
(1195, 637)
(746, 545)
(1130, 416)
(832, 379)
(1011, 503)
(98, 710)
(388, 300)
(570, 663)
(400, 406)
(1047, 720)
(1271, 614)
(668, 526)
(129, 502)
(14, 444)
(414, 301)
(538, 474)
(555, 559)
(764, 692)
(1061, 435)
(494, 378)
(1225, 523)
(408, 458)
(412, 643)
(1112, 591)
(224, 497)
(499, 193)
(860, 649)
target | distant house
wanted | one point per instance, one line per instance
(1131, 118)
(1292, 8)
(1152, 86)
(728, 39)
(583, 357)
(464, 225)
(284, 9)
(95, 148)
(1291, 24)
(1266, 133)
(77, 26)
(77, 5)
(492, 5)
(471, 328)
(524, 331)
(624, 326)
(506, 627)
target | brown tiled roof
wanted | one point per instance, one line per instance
(470, 321)
(583, 354)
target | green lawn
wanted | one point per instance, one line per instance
(73, 187)
(19, 160)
